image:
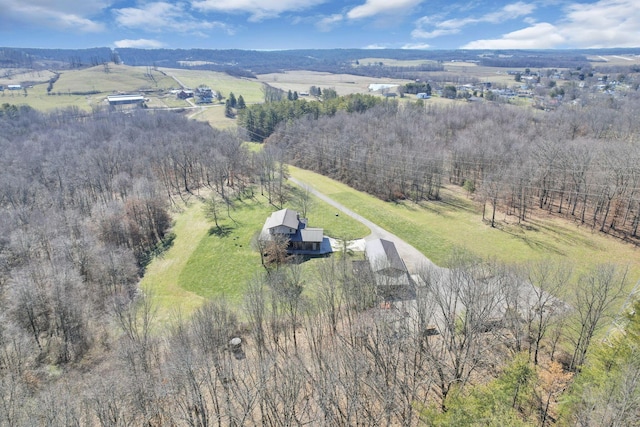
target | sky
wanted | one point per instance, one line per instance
(320, 24)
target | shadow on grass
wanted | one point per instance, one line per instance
(567, 236)
(220, 231)
(536, 244)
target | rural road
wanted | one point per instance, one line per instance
(413, 258)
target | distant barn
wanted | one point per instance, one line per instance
(125, 99)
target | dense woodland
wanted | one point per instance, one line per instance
(581, 162)
(86, 201)
(247, 62)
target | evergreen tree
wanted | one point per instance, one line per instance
(232, 100)
(240, 104)
(228, 111)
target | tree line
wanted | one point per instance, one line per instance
(333, 356)
(580, 162)
(260, 120)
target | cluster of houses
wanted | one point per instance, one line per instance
(202, 95)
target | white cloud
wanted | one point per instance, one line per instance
(329, 22)
(62, 15)
(416, 46)
(139, 44)
(605, 23)
(538, 36)
(429, 28)
(376, 7)
(375, 46)
(164, 16)
(257, 9)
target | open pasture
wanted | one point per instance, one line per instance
(250, 89)
(113, 79)
(204, 263)
(344, 84)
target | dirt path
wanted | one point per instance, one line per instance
(413, 258)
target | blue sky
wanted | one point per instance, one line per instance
(320, 24)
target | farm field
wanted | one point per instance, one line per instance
(344, 84)
(98, 82)
(9, 76)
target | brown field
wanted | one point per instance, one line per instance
(609, 60)
(344, 84)
(13, 76)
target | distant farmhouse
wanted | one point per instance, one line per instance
(303, 240)
(185, 93)
(125, 99)
(386, 268)
(14, 87)
(204, 95)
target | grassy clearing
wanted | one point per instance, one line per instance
(161, 279)
(222, 263)
(205, 264)
(214, 115)
(436, 228)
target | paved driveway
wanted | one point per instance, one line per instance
(413, 258)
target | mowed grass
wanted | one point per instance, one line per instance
(161, 279)
(205, 264)
(214, 115)
(437, 228)
(335, 224)
(222, 263)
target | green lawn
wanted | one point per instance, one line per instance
(436, 228)
(203, 264)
